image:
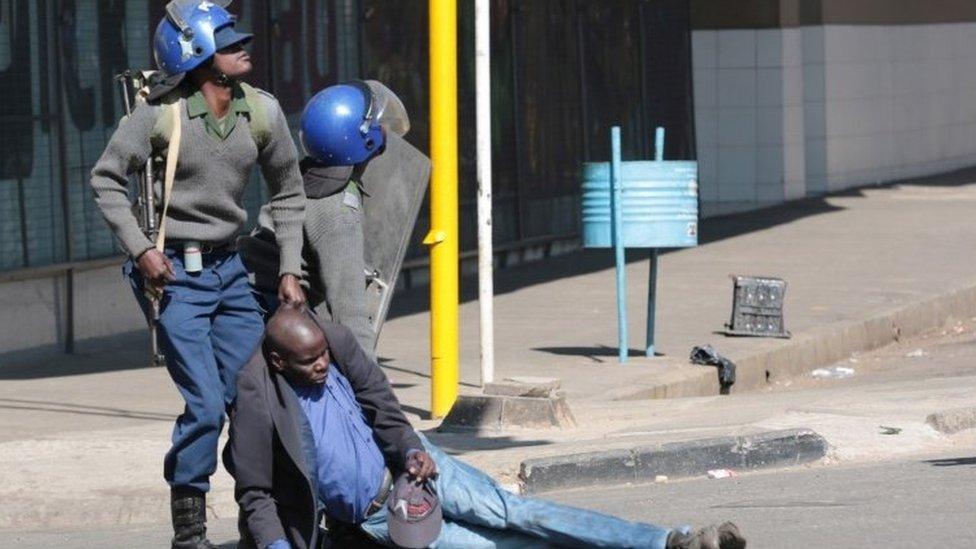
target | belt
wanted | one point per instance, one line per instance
(205, 247)
(384, 493)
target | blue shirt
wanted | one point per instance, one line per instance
(348, 465)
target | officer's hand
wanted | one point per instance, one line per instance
(421, 466)
(290, 291)
(156, 268)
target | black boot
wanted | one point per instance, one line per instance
(189, 511)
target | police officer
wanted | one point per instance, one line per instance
(210, 322)
(343, 128)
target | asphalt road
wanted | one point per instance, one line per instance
(916, 503)
(901, 502)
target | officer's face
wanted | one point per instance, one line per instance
(233, 61)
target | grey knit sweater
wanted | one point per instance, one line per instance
(211, 176)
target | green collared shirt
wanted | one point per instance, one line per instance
(218, 128)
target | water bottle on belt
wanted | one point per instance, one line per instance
(192, 257)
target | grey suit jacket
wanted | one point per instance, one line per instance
(264, 453)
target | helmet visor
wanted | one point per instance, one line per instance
(388, 111)
(227, 36)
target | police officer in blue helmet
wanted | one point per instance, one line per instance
(343, 128)
(355, 161)
(214, 127)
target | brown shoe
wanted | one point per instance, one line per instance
(723, 536)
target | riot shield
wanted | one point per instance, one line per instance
(396, 182)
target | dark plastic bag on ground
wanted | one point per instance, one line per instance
(706, 355)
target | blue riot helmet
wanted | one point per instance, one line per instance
(191, 32)
(343, 125)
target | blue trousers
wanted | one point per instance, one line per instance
(480, 514)
(209, 326)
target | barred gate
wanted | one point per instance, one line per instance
(563, 73)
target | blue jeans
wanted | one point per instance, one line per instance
(209, 326)
(478, 513)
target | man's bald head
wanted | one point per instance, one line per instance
(290, 331)
(295, 345)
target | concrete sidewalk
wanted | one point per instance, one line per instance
(864, 268)
(82, 437)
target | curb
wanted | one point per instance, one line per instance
(819, 347)
(495, 413)
(950, 422)
(675, 460)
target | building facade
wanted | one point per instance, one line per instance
(776, 99)
(797, 98)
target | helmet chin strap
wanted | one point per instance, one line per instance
(210, 73)
(224, 80)
(220, 78)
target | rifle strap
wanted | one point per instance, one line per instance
(172, 155)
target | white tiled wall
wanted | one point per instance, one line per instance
(784, 113)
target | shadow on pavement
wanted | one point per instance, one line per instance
(711, 229)
(951, 462)
(130, 351)
(80, 409)
(582, 262)
(459, 443)
(597, 353)
(419, 412)
(385, 364)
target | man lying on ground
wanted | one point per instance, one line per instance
(316, 430)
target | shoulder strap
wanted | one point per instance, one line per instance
(164, 127)
(259, 122)
(172, 155)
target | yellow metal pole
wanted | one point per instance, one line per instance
(443, 235)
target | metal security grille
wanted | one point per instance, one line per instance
(564, 71)
(30, 191)
(59, 106)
